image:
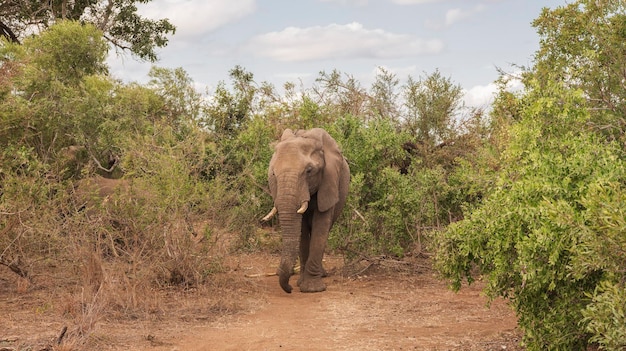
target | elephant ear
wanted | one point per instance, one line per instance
(328, 191)
(287, 134)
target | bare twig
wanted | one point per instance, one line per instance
(359, 214)
(62, 335)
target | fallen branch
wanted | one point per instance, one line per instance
(16, 267)
(259, 275)
(382, 261)
(62, 335)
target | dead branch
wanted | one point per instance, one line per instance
(62, 335)
(383, 261)
(359, 214)
(16, 267)
(259, 275)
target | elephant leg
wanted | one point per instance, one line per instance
(305, 243)
(311, 276)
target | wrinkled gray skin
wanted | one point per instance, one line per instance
(307, 168)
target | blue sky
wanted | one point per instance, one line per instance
(293, 40)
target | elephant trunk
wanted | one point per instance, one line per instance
(291, 225)
(291, 202)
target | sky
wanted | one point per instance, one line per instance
(281, 41)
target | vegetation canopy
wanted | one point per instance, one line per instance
(118, 20)
(150, 186)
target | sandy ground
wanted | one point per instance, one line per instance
(378, 309)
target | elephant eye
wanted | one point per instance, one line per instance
(309, 170)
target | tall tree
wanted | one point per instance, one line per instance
(119, 20)
(384, 95)
(431, 103)
(583, 44)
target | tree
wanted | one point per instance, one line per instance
(61, 120)
(431, 103)
(229, 111)
(583, 44)
(51, 83)
(122, 26)
(384, 95)
(550, 234)
(183, 102)
(340, 96)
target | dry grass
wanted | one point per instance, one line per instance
(107, 253)
(105, 307)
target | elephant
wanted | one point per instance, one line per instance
(308, 180)
(90, 191)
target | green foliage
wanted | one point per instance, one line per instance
(605, 316)
(67, 52)
(431, 103)
(61, 124)
(602, 248)
(230, 110)
(535, 193)
(582, 45)
(56, 81)
(388, 212)
(123, 27)
(550, 233)
(183, 102)
(249, 158)
(527, 236)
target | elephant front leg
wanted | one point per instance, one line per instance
(312, 273)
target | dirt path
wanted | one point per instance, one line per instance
(408, 312)
(403, 309)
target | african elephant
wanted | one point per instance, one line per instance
(96, 189)
(308, 180)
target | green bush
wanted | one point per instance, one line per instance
(605, 316)
(534, 237)
(390, 210)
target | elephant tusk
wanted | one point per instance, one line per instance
(270, 215)
(303, 208)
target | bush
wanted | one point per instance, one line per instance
(605, 316)
(539, 236)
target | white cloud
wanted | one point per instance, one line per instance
(453, 16)
(480, 96)
(457, 14)
(197, 17)
(339, 41)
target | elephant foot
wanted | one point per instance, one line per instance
(311, 285)
(301, 277)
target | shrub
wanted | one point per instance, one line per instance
(537, 238)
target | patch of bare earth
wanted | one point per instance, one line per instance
(378, 309)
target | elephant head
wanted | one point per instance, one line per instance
(308, 180)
